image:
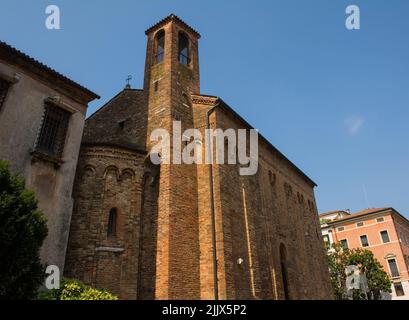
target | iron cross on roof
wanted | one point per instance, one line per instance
(128, 81)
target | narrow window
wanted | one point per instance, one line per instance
(399, 289)
(380, 220)
(272, 178)
(156, 85)
(4, 88)
(393, 267)
(284, 272)
(360, 224)
(327, 241)
(185, 99)
(183, 49)
(160, 46)
(344, 244)
(364, 241)
(121, 124)
(385, 236)
(53, 130)
(340, 229)
(112, 221)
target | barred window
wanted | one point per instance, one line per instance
(53, 130)
(4, 88)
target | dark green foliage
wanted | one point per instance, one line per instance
(22, 232)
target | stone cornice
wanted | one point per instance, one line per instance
(204, 100)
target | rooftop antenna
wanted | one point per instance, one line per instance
(128, 82)
(366, 196)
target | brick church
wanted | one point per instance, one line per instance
(187, 231)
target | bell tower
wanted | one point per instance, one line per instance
(171, 76)
(171, 72)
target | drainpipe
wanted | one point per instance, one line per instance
(216, 283)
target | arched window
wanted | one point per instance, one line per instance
(160, 46)
(112, 222)
(184, 49)
(284, 272)
(272, 178)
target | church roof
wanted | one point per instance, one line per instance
(218, 102)
(117, 123)
(175, 18)
(15, 57)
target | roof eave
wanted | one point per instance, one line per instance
(298, 170)
(174, 18)
(17, 58)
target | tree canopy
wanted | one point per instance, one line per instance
(339, 259)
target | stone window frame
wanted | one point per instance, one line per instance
(53, 130)
(365, 236)
(402, 290)
(38, 152)
(387, 233)
(398, 275)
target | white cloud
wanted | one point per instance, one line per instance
(354, 124)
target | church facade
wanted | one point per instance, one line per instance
(188, 231)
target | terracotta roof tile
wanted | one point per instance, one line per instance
(16, 57)
(169, 18)
(361, 214)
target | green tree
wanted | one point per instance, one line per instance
(76, 290)
(23, 229)
(377, 278)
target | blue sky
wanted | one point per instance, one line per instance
(334, 101)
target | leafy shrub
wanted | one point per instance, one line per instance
(76, 290)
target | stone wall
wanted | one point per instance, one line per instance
(20, 122)
(107, 178)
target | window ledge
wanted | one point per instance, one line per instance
(110, 249)
(37, 155)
